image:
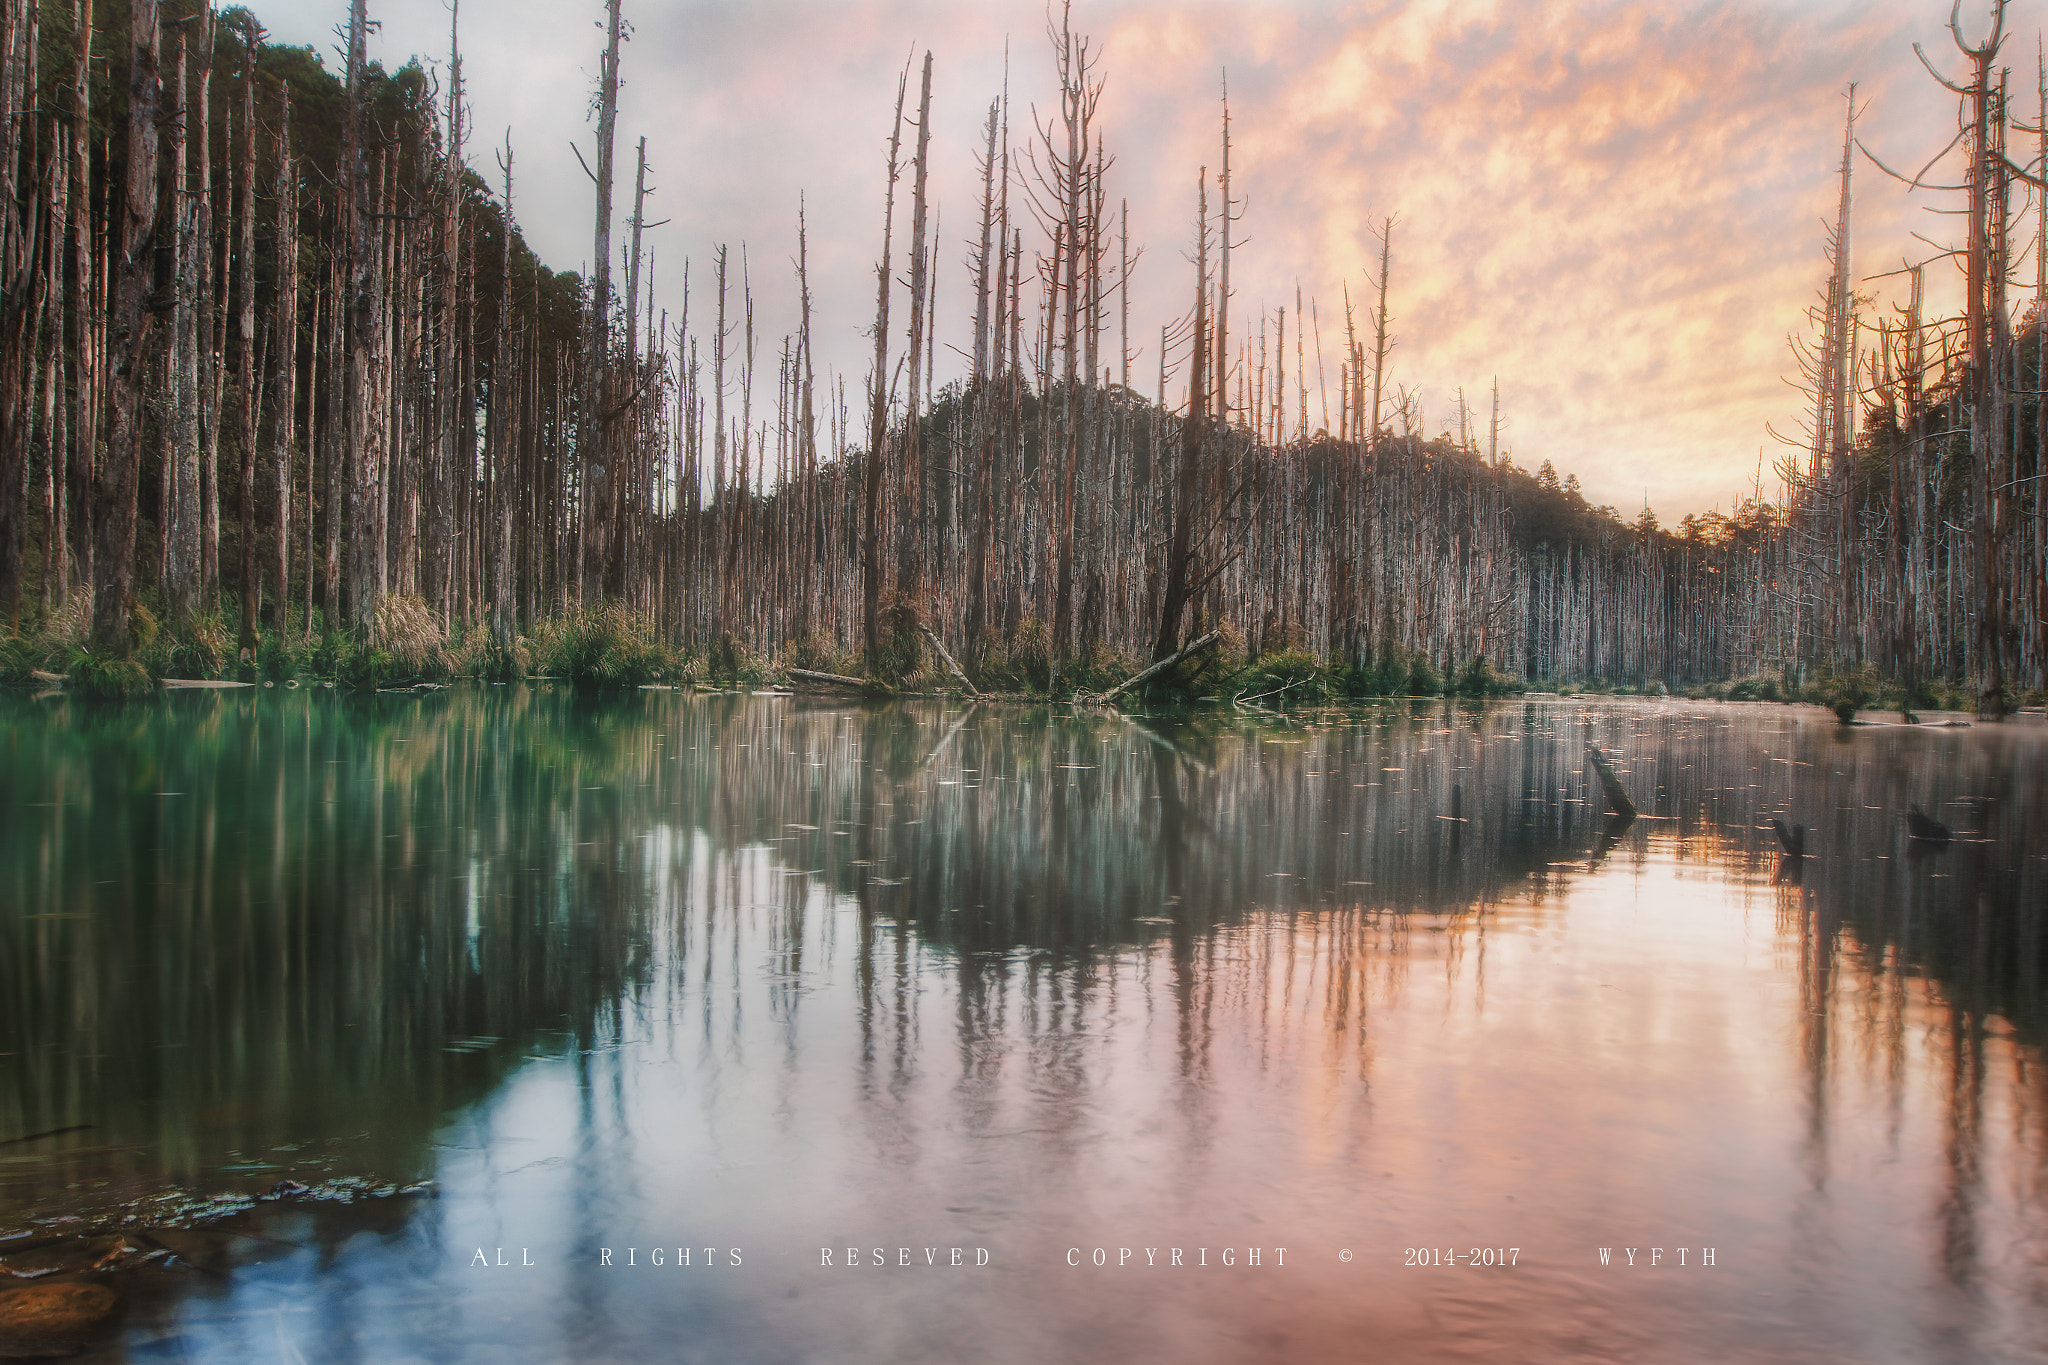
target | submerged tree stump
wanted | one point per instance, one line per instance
(1617, 795)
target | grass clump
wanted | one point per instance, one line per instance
(1284, 677)
(1097, 668)
(1760, 687)
(900, 656)
(17, 660)
(1021, 663)
(503, 663)
(1477, 679)
(1394, 672)
(607, 644)
(1847, 693)
(199, 647)
(102, 675)
(736, 663)
(282, 654)
(412, 640)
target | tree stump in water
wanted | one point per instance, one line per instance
(1617, 795)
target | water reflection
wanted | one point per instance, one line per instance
(748, 971)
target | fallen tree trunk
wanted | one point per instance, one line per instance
(1168, 662)
(947, 660)
(837, 679)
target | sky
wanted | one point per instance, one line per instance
(1615, 210)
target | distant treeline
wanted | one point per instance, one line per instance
(294, 361)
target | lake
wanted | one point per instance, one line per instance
(766, 1028)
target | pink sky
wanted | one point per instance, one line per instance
(1616, 209)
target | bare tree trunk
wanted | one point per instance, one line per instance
(1382, 342)
(245, 329)
(909, 518)
(209, 319)
(1183, 513)
(128, 340)
(180, 526)
(504, 440)
(878, 406)
(87, 333)
(368, 377)
(597, 573)
(442, 558)
(285, 357)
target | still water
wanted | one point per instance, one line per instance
(1345, 1035)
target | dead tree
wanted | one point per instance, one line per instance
(284, 352)
(1185, 509)
(597, 571)
(910, 520)
(1987, 340)
(245, 334)
(368, 379)
(114, 489)
(878, 404)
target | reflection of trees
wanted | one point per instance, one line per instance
(231, 922)
(340, 890)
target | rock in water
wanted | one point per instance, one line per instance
(52, 1319)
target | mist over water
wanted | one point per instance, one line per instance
(782, 980)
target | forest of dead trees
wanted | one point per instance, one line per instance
(278, 366)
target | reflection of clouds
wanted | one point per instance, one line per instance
(959, 982)
(1615, 207)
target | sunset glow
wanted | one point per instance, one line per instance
(1616, 209)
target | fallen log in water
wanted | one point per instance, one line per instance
(1168, 662)
(947, 660)
(836, 679)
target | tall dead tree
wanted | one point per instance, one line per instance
(180, 518)
(284, 357)
(504, 394)
(988, 290)
(597, 571)
(88, 320)
(129, 325)
(18, 295)
(245, 332)
(1185, 510)
(1987, 341)
(878, 404)
(1831, 468)
(910, 520)
(442, 557)
(1069, 176)
(1226, 214)
(368, 379)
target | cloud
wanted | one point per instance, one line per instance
(1614, 208)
